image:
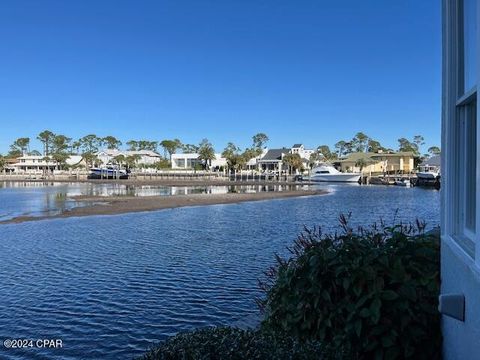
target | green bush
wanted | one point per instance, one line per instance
(231, 343)
(372, 292)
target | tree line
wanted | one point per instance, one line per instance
(58, 148)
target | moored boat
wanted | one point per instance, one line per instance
(327, 173)
(108, 172)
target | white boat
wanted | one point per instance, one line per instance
(428, 172)
(430, 169)
(109, 172)
(327, 173)
(402, 182)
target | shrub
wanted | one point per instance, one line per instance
(372, 292)
(231, 343)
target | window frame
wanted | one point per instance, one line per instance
(456, 101)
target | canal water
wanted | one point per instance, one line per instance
(112, 286)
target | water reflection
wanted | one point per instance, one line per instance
(27, 198)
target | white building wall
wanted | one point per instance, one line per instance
(184, 161)
(460, 257)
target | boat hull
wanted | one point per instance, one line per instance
(348, 178)
(107, 174)
(427, 175)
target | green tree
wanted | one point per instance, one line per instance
(90, 143)
(119, 160)
(206, 153)
(315, 158)
(361, 163)
(132, 145)
(111, 142)
(340, 148)
(75, 147)
(90, 158)
(3, 162)
(293, 161)
(419, 141)
(21, 145)
(189, 149)
(374, 146)
(235, 160)
(359, 142)
(434, 150)
(170, 147)
(132, 160)
(34, 153)
(59, 150)
(46, 138)
(147, 145)
(259, 141)
(405, 145)
(249, 154)
(324, 150)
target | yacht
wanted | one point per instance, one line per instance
(430, 169)
(109, 172)
(428, 172)
(327, 173)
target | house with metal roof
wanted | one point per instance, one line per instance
(377, 163)
(146, 157)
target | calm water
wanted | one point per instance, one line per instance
(50, 198)
(112, 286)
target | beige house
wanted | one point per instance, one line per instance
(378, 163)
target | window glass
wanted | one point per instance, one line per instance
(471, 169)
(469, 43)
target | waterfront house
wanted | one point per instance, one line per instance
(145, 157)
(32, 164)
(460, 250)
(300, 150)
(432, 162)
(191, 161)
(378, 163)
(272, 159)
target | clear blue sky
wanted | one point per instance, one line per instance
(308, 71)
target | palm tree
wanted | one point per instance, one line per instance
(294, 162)
(206, 153)
(361, 163)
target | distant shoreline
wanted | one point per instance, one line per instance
(168, 182)
(101, 205)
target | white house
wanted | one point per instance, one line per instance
(147, 157)
(460, 230)
(272, 159)
(190, 160)
(300, 150)
(32, 164)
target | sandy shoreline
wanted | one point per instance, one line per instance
(101, 205)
